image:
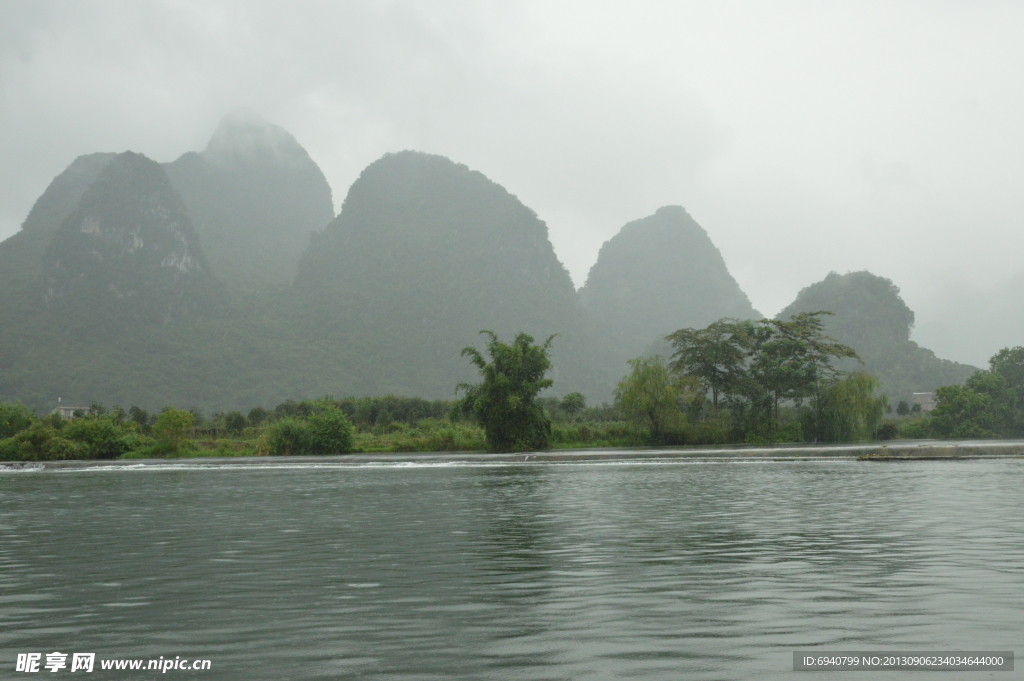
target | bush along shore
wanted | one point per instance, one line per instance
(309, 427)
(766, 382)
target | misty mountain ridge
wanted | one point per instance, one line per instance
(129, 243)
(114, 290)
(255, 196)
(871, 317)
(423, 255)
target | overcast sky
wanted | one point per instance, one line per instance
(804, 137)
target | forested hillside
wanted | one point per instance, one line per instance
(871, 317)
(424, 254)
(254, 195)
(658, 274)
(220, 281)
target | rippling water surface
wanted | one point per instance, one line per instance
(638, 571)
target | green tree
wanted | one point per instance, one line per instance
(504, 403)
(234, 422)
(960, 412)
(257, 415)
(1009, 363)
(331, 431)
(290, 436)
(171, 425)
(792, 360)
(102, 436)
(14, 418)
(139, 416)
(714, 355)
(573, 403)
(846, 409)
(903, 408)
(648, 396)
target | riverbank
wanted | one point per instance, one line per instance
(899, 451)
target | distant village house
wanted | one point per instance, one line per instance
(70, 412)
(926, 400)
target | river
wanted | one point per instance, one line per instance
(659, 570)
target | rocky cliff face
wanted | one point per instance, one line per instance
(254, 195)
(658, 274)
(128, 248)
(22, 254)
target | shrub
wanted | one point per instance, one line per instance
(14, 418)
(39, 443)
(171, 425)
(234, 422)
(288, 437)
(102, 437)
(331, 432)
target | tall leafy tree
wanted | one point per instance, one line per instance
(648, 395)
(846, 409)
(714, 355)
(505, 401)
(792, 360)
(1009, 363)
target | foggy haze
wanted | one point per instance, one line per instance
(803, 137)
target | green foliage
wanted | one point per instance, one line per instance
(989, 404)
(326, 430)
(40, 442)
(903, 408)
(758, 365)
(846, 409)
(649, 397)
(102, 436)
(789, 360)
(960, 412)
(234, 422)
(714, 355)
(171, 425)
(289, 436)
(257, 415)
(14, 418)
(331, 431)
(505, 402)
(573, 403)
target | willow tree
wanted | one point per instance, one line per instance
(648, 396)
(505, 401)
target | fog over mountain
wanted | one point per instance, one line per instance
(804, 138)
(870, 316)
(255, 197)
(658, 274)
(110, 293)
(424, 254)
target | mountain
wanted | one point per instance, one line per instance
(21, 255)
(424, 254)
(658, 274)
(120, 277)
(871, 317)
(128, 248)
(254, 195)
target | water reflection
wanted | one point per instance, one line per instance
(659, 571)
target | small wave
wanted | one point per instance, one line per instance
(20, 467)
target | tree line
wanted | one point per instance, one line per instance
(767, 380)
(733, 381)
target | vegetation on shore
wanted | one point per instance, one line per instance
(735, 381)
